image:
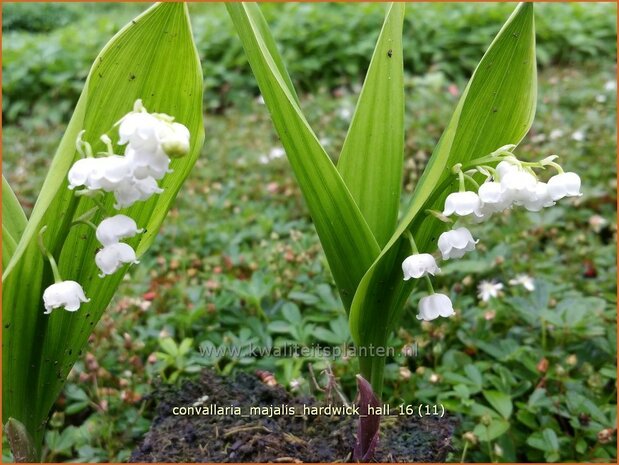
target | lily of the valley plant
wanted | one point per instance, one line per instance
(376, 253)
(134, 136)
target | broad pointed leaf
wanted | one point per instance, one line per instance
(347, 240)
(371, 158)
(153, 58)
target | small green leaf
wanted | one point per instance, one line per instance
(501, 402)
(496, 428)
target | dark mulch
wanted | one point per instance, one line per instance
(287, 438)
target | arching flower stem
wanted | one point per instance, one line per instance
(49, 256)
(411, 240)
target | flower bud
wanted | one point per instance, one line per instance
(175, 140)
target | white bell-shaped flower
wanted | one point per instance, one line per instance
(82, 172)
(418, 265)
(455, 243)
(564, 185)
(540, 200)
(141, 130)
(519, 186)
(112, 257)
(434, 305)
(461, 203)
(148, 163)
(491, 193)
(135, 190)
(105, 173)
(67, 294)
(112, 230)
(115, 171)
(174, 139)
(493, 200)
(505, 167)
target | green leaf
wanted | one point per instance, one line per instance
(13, 222)
(496, 428)
(501, 402)
(168, 345)
(153, 58)
(496, 109)
(372, 155)
(347, 240)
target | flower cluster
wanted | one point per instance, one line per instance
(510, 183)
(150, 140)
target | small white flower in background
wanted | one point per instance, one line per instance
(488, 289)
(578, 136)
(276, 152)
(345, 113)
(112, 257)
(523, 280)
(610, 86)
(434, 305)
(455, 243)
(556, 134)
(541, 198)
(295, 384)
(600, 98)
(115, 228)
(418, 265)
(260, 100)
(67, 294)
(564, 185)
(461, 203)
(597, 222)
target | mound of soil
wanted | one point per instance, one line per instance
(210, 437)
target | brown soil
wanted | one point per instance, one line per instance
(288, 438)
